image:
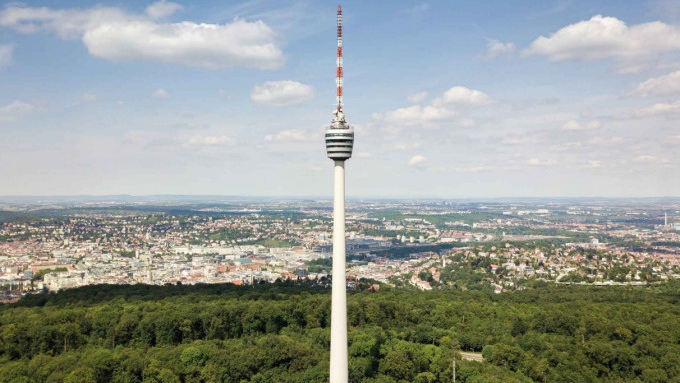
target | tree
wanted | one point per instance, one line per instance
(81, 375)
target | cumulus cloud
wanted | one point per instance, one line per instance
(405, 146)
(90, 97)
(513, 139)
(565, 147)
(282, 93)
(661, 108)
(608, 37)
(538, 162)
(576, 125)
(417, 98)
(606, 141)
(210, 141)
(416, 115)
(6, 55)
(644, 158)
(161, 9)
(668, 85)
(472, 169)
(290, 135)
(160, 93)
(112, 34)
(460, 95)
(442, 108)
(16, 109)
(496, 48)
(417, 160)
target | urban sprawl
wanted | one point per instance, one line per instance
(498, 246)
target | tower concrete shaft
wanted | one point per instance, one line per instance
(339, 366)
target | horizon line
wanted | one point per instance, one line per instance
(283, 196)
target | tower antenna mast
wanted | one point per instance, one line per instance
(339, 74)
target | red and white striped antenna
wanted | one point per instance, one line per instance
(339, 75)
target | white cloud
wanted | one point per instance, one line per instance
(440, 109)
(418, 8)
(210, 46)
(67, 24)
(6, 55)
(468, 123)
(658, 109)
(90, 97)
(512, 139)
(565, 147)
(160, 93)
(417, 98)
(161, 9)
(593, 125)
(472, 169)
(644, 158)
(576, 125)
(282, 93)
(572, 125)
(111, 34)
(417, 160)
(538, 162)
(16, 109)
(407, 146)
(606, 141)
(290, 135)
(460, 95)
(594, 164)
(210, 141)
(414, 115)
(496, 48)
(608, 37)
(668, 85)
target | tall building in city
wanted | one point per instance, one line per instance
(339, 142)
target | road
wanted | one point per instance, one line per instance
(474, 356)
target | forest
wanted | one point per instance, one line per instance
(280, 333)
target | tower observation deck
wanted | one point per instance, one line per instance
(339, 135)
(339, 138)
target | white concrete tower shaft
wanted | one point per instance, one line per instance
(339, 366)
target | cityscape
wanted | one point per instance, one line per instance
(503, 203)
(503, 246)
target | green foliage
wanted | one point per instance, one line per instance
(280, 333)
(319, 265)
(127, 254)
(41, 273)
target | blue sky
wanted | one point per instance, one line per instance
(449, 98)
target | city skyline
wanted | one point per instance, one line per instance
(565, 99)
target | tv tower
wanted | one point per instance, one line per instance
(339, 142)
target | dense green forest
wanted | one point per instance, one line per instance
(280, 333)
